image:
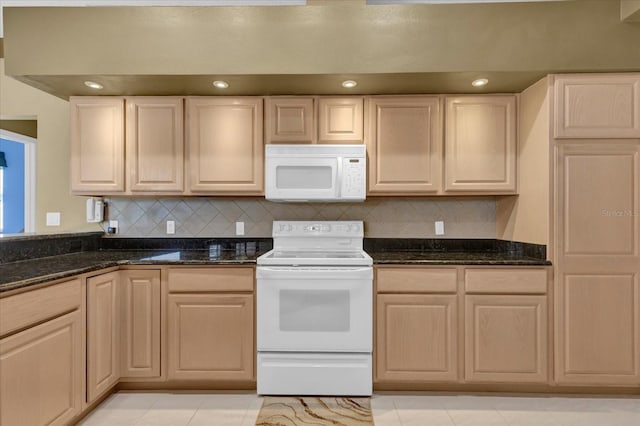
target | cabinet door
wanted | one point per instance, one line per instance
(140, 316)
(103, 349)
(416, 338)
(97, 144)
(225, 146)
(341, 120)
(42, 373)
(290, 120)
(506, 338)
(480, 144)
(210, 337)
(597, 106)
(155, 147)
(597, 262)
(404, 145)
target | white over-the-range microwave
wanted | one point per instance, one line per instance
(315, 173)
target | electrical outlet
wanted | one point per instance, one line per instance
(53, 218)
(439, 227)
(113, 227)
(171, 227)
(239, 228)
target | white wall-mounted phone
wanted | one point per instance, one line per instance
(95, 210)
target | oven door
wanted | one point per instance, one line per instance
(315, 309)
(302, 178)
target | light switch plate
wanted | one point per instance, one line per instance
(171, 227)
(239, 228)
(439, 227)
(53, 218)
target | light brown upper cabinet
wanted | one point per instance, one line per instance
(225, 145)
(404, 145)
(597, 260)
(600, 106)
(155, 144)
(340, 120)
(309, 119)
(480, 144)
(97, 144)
(290, 120)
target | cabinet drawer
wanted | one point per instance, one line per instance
(416, 280)
(511, 281)
(211, 279)
(32, 307)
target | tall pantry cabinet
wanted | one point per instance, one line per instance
(596, 213)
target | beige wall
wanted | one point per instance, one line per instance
(630, 10)
(341, 38)
(18, 100)
(526, 217)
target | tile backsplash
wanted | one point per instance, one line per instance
(400, 217)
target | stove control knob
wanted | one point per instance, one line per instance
(285, 228)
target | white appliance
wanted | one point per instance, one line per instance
(315, 172)
(95, 210)
(315, 311)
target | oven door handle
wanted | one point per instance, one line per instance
(295, 272)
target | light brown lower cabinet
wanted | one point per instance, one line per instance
(140, 297)
(598, 329)
(416, 338)
(42, 373)
(42, 355)
(103, 336)
(506, 338)
(210, 336)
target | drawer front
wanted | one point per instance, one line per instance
(416, 280)
(508, 280)
(29, 308)
(211, 279)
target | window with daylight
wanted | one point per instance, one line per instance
(1, 200)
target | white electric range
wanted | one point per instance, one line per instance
(315, 310)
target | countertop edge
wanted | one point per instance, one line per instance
(15, 285)
(524, 262)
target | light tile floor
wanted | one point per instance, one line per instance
(183, 409)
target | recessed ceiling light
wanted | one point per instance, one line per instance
(479, 82)
(93, 85)
(220, 84)
(349, 84)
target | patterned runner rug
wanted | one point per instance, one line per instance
(302, 411)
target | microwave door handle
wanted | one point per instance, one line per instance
(339, 179)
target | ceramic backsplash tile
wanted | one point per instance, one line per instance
(383, 217)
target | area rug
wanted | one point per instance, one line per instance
(303, 411)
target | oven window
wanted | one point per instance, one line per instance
(314, 310)
(304, 177)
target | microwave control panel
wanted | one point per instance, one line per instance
(353, 178)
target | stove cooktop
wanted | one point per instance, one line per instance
(287, 258)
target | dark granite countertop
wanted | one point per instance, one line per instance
(30, 261)
(408, 257)
(24, 273)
